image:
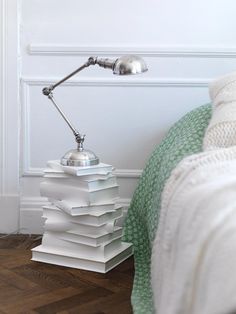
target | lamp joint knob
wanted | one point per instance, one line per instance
(47, 90)
(91, 61)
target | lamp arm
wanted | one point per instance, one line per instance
(105, 63)
(78, 137)
(47, 91)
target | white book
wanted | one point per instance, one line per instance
(101, 168)
(100, 219)
(53, 213)
(58, 256)
(62, 225)
(50, 173)
(58, 225)
(92, 239)
(82, 197)
(89, 239)
(87, 184)
(102, 251)
(82, 171)
(73, 208)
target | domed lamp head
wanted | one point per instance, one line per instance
(129, 65)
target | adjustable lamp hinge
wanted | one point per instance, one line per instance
(79, 140)
(47, 90)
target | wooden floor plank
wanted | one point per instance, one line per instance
(11, 295)
(46, 274)
(76, 300)
(28, 287)
(14, 257)
(114, 303)
(25, 304)
(20, 282)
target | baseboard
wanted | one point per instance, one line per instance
(31, 221)
(9, 207)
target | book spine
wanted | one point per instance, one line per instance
(86, 250)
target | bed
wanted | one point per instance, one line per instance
(201, 145)
(183, 139)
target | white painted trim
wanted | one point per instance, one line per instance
(119, 81)
(31, 221)
(25, 131)
(9, 213)
(147, 51)
(29, 171)
(9, 117)
(33, 202)
(3, 46)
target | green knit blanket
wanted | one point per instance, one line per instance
(183, 139)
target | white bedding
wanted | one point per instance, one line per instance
(194, 252)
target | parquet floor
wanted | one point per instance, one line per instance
(31, 287)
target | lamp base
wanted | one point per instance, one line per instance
(79, 158)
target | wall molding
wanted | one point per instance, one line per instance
(119, 82)
(9, 205)
(33, 202)
(9, 117)
(26, 168)
(184, 51)
(3, 87)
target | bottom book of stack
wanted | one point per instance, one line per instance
(79, 233)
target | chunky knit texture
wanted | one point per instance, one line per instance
(200, 196)
(195, 246)
(221, 131)
(184, 138)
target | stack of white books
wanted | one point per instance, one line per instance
(80, 222)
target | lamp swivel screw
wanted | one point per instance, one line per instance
(79, 140)
(47, 90)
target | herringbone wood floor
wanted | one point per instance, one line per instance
(31, 287)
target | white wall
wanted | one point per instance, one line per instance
(9, 117)
(185, 43)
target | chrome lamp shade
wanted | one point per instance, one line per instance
(128, 65)
(125, 65)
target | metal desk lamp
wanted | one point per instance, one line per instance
(124, 65)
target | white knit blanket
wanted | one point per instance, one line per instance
(194, 252)
(221, 131)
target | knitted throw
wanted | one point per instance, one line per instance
(195, 245)
(183, 139)
(194, 252)
(221, 131)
